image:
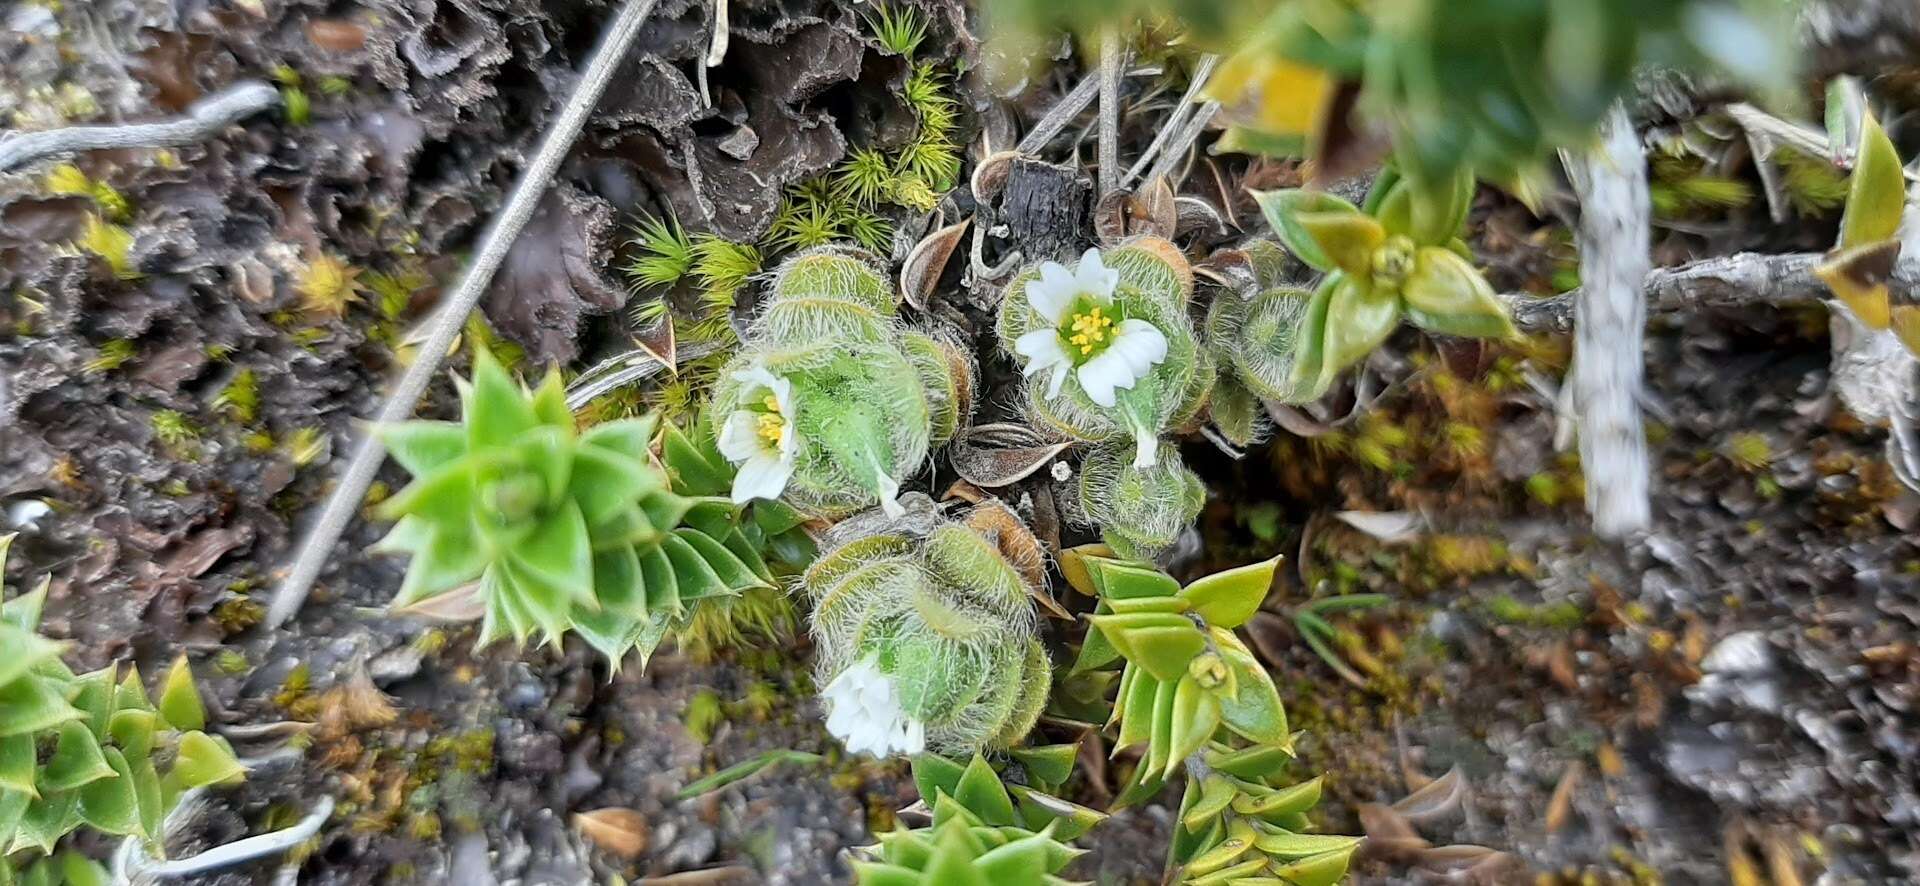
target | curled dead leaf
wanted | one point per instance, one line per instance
(1230, 268)
(1153, 210)
(1561, 804)
(1194, 215)
(1110, 218)
(460, 605)
(1001, 454)
(615, 829)
(928, 260)
(990, 176)
(1392, 527)
(1017, 543)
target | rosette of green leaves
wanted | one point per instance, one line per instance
(79, 749)
(871, 397)
(563, 530)
(1156, 285)
(948, 618)
(1398, 257)
(1141, 511)
(983, 833)
(1187, 675)
(1861, 265)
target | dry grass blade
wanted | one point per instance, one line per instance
(920, 273)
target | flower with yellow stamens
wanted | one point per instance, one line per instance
(761, 439)
(1090, 336)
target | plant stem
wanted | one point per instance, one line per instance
(317, 547)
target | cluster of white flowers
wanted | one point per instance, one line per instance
(761, 440)
(1104, 351)
(863, 711)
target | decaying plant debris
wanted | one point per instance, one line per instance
(193, 332)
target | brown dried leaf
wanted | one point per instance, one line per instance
(1110, 218)
(1153, 211)
(1018, 544)
(460, 605)
(1001, 454)
(1438, 798)
(1194, 215)
(615, 829)
(928, 260)
(990, 177)
(1561, 804)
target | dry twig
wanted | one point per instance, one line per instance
(203, 120)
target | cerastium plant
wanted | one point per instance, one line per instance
(562, 530)
(81, 749)
(1192, 697)
(832, 402)
(1112, 359)
(930, 642)
(1396, 257)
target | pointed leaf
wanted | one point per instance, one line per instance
(77, 760)
(1877, 194)
(205, 760)
(495, 408)
(1325, 869)
(981, 792)
(934, 774)
(1196, 714)
(18, 757)
(423, 447)
(133, 732)
(559, 554)
(30, 706)
(1164, 651)
(1227, 599)
(1123, 580)
(1255, 711)
(1216, 792)
(180, 702)
(1447, 295)
(111, 804)
(603, 482)
(1283, 802)
(628, 437)
(1859, 276)
(1020, 861)
(1359, 318)
(1348, 239)
(24, 651)
(1283, 209)
(693, 471)
(1048, 765)
(550, 401)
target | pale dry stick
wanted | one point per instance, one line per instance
(352, 487)
(204, 119)
(1057, 117)
(1109, 148)
(1176, 121)
(1615, 229)
(1176, 151)
(1745, 279)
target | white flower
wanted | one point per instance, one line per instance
(863, 711)
(761, 439)
(1085, 329)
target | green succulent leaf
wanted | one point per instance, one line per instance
(77, 760)
(112, 804)
(1877, 195)
(1255, 712)
(1227, 599)
(1447, 295)
(1346, 238)
(205, 760)
(423, 447)
(497, 410)
(1283, 210)
(180, 702)
(1359, 317)
(981, 792)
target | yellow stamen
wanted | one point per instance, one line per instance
(1090, 330)
(772, 403)
(771, 427)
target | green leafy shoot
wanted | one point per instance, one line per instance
(866, 178)
(897, 30)
(744, 770)
(666, 254)
(805, 222)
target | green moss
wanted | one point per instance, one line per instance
(1563, 615)
(702, 716)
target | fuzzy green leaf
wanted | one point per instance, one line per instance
(1877, 195)
(1227, 599)
(1447, 295)
(1283, 209)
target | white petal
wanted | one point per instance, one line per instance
(916, 737)
(1041, 346)
(758, 375)
(1143, 345)
(740, 436)
(762, 476)
(1093, 277)
(890, 502)
(782, 394)
(1060, 371)
(1053, 293)
(1102, 374)
(1146, 450)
